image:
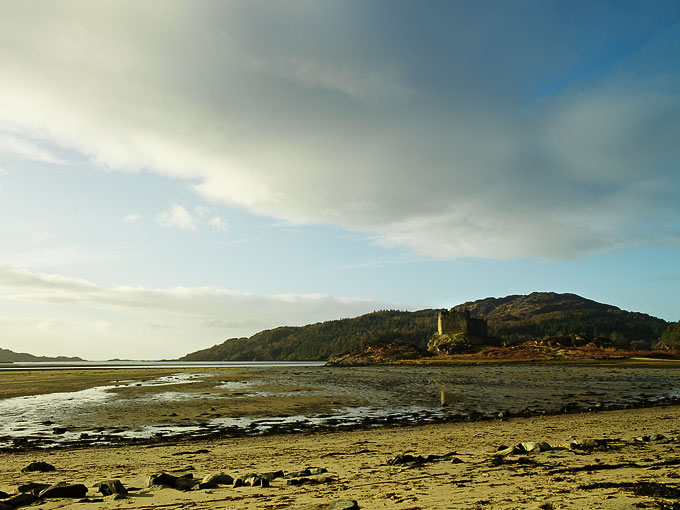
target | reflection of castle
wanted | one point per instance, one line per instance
(453, 322)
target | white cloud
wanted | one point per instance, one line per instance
(132, 218)
(147, 323)
(3, 172)
(176, 217)
(202, 211)
(26, 149)
(219, 224)
(329, 114)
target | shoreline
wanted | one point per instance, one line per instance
(625, 458)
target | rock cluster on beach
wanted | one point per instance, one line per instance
(611, 461)
(526, 458)
(34, 492)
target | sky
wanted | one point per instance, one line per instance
(176, 173)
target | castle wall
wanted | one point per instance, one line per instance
(452, 322)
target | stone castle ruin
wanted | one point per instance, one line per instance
(454, 322)
(457, 332)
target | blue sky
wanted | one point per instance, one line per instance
(173, 174)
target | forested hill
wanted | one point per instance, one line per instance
(319, 341)
(7, 356)
(540, 314)
(536, 315)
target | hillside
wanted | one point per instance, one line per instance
(321, 340)
(7, 356)
(541, 314)
(537, 315)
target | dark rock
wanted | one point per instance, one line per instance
(238, 482)
(64, 490)
(417, 459)
(183, 481)
(207, 485)
(108, 487)
(316, 470)
(271, 475)
(4, 506)
(341, 504)
(256, 481)
(185, 484)
(310, 481)
(59, 430)
(115, 496)
(298, 474)
(589, 444)
(42, 467)
(165, 479)
(33, 487)
(4, 495)
(21, 500)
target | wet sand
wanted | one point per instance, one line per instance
(605, 476)
(80, 407)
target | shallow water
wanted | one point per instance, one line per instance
(370, 396)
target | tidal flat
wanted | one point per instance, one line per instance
(77, 407)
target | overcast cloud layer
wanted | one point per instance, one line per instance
(456, 129)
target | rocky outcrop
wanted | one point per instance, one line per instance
(378, 353)
(450, 344)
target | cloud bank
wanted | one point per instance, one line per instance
(459, 129)
(66, 313)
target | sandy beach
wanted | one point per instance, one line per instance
(613, 459)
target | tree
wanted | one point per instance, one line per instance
(671, 337)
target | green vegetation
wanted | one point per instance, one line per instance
(541, 314)
(671, 337)
(319, 341)
(512, 318)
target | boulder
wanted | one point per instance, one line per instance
(21, 500)
(41, 467)
(64, 490)
(218, 479)
(33, 487)
(271, 475)
(185, 484)
(108, 487)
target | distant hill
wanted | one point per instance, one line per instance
(319, 341)
(541, 314)
(7, 356)
(520, 317)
